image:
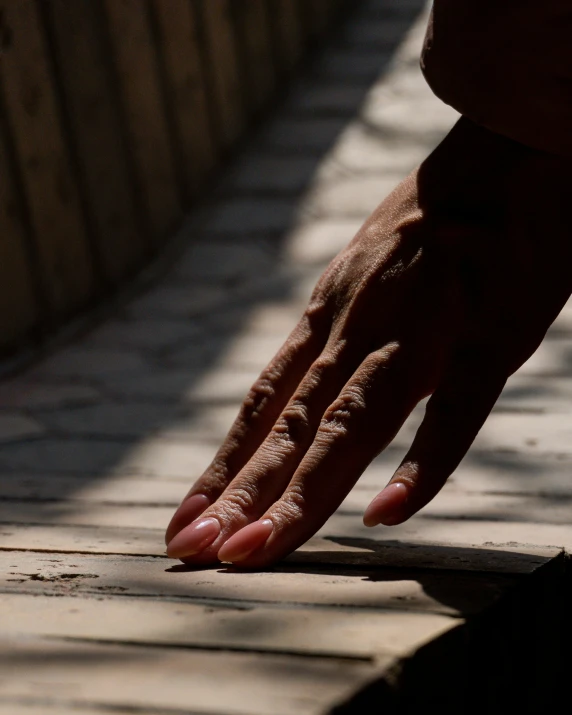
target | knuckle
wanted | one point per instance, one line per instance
(332, 364)
(237, 505)
(408, 474)
(217, 475)
(293, 424)
(292, 507)
(226, 512)
(258, 397)
(386, 358)
(326, 362)
(324, 368)
(317, 308)
(240, 500)
(343, 411)
(330, 289)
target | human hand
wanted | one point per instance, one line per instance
(446, 290)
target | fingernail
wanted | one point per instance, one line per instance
(194, 538)
(189, 510)
(386, 507)
(246, 541)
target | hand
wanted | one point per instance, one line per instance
(446, 290)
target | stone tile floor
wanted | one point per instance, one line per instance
(99, 442)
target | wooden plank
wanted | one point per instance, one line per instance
(422, 590)
(91, 460)
(259, 71)
(521, 432)
(52, 200)
(18, 305)
(325, 12)
(12, 707)
(288, 34)
(340, 633)
(115, 489)
(452, 504)
(152, 680)
(140, 90)
(481, 534)
(221, 64)
(455, 503)
(82, 539)
(96, 457)
(493, 546)
(86, 514)
(97, 134)
(533, 481)
(187, 92)
(316, 16)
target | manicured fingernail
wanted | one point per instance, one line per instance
(386, 507)
(189, 510)
(246, 541)
(194, 538)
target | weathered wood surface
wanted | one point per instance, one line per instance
(94, 133)
(185, 84)
(465, 603)
(151, 680)
(351, 586)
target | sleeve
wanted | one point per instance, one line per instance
(507, 65)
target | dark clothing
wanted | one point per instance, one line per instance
(507, 65)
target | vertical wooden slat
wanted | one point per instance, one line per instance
(288, 33)
(18, 305)
(317, 15)
(321, 16)
(96, 134)
(221, 63)
(306, 14)
(259, 74)
(51, 195)
(185, 85)
(141, 93)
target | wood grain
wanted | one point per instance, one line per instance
(96, 136)
(221, 59)
(34, 118)
(186, 89)
(19, 310)
(135, 59)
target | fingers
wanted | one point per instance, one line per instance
(259, 411)
(455, 414)
(263, 479)
(365, 417)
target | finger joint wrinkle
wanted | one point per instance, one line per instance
(343, 410)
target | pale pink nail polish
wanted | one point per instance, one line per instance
(189, 510)
(386, 507)
(194, 538)
(246, 541)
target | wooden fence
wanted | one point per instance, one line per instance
(113, 115)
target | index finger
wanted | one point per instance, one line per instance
(258, 413)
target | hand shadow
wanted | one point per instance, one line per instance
(452, 579)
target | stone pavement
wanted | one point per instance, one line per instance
(99, 442)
